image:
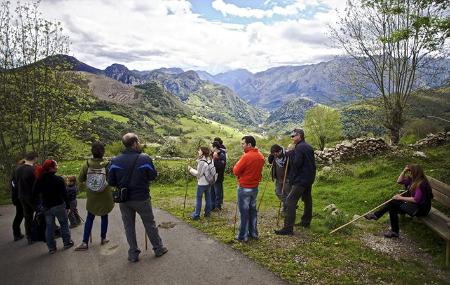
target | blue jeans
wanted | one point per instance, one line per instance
(198, 204)
(60, 213)
(88, 226)
(217, 195)
(247, 210)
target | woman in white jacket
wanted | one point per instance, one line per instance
(202, 184)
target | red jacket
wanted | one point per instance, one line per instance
(249, 168)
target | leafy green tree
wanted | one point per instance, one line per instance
(390, 41)
(322, 124)
(38, 97)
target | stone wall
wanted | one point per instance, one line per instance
(432, 140)
(352, 149)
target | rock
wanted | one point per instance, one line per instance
(330, 208)
(419, 154)
(326, 169)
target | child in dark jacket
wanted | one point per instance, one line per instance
(72, 191)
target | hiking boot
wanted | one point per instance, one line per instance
(160, 251)
(133, 259)
(371, 216)
(69, 245)
(19, 237)
(104, 241)
(195, 218)
(284, 232)
(391, 234)
(243, 240)
(82, 247)
(52, 251)
(73, 226)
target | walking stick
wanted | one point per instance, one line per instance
(282, 191)
(265, 187)
(235, 210)
(352, 221)
(145, 234)
(186, 189)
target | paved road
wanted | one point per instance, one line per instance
(193, 258)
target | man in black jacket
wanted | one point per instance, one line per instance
(302, 172)
(138, 194)
(24, 178)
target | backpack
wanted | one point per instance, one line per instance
(96, 178)
(210, 172)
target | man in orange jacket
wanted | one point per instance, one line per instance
(248, 170)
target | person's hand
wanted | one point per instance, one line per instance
(406, 169)
(67, 211)
(290, 147)
(397, 197)
(189, 167)
(215, 155)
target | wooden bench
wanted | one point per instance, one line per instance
(436, 220)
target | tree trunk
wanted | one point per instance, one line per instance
(395, 136)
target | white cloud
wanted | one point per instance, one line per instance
(234, 10)
(145, 36)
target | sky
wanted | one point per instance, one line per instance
(210, 35)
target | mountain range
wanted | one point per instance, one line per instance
(239, 97)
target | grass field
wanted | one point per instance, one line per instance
(355, 255)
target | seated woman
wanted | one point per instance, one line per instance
(415, 202)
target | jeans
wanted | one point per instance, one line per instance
(60, 213)
(144, 209)
(394, 208)
(17, 220)
(297, 192)
(247, 210)
(217, 195)
(28, 211)
(89, 223)
(282, 193)
(198, 203)
(74, 217)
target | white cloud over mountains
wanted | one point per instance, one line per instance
(145, 35)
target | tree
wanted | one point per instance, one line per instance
(39, 96)
(390, 41)
(322, 124)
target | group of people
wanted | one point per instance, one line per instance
(39, 188)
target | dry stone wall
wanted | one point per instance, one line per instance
(352, 149)
(432, 140)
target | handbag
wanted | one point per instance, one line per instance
(120, 194)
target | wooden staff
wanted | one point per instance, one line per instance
(265, 187)
(343, 226)
(282, 191)
(145, 234)
(186, 189)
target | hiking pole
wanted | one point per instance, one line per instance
(354, 220)
(145, 234)
(186, 189)
(265, 187)
(235, 212)
(282, 191)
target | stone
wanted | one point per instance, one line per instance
(419, 154)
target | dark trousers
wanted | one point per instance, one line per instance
(297, 192)
(28, 211)
(18, 220)
(394, 208)
(89, 223)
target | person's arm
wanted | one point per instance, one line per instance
(63, 191)
(296, 157)
(401, 178)
(238, 169)
(270, 158)
(112, 177)
(199, 171)
(149, 168)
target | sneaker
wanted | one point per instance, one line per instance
(194, 218)
(160, 251)
(284, 232)
(391, 234)
(243, 240)
(82, 247)
(52, 251)
(371, 216)
(73, 226)
(69, 245)
(104, 241)
(19, 237)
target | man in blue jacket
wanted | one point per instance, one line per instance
(138, 194)
(302, 172)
